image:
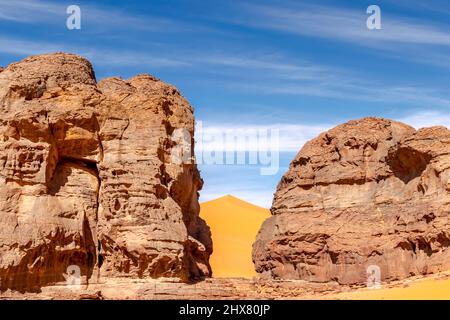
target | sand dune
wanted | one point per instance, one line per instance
(234, 224)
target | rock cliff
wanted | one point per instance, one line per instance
(367, 194)
(87, 180)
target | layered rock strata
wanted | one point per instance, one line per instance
(367, 199)
(87, 181)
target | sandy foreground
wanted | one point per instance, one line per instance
(433, 287)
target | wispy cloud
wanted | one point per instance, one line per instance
(345, 24)
(317, 80)
(103, 17)
(132, 58)
(358, 90)
(30, 11)
(276, 65)
(280, 75)
(16, 46)
(99, 56)
(267, 74)
(434, 6)
(421, 39)
(428, 118)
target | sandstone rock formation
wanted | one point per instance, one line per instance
(368, 192)
(86, 177)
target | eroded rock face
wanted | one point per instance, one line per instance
(86, 177)
(368, 192)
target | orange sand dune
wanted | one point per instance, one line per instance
(234, 224)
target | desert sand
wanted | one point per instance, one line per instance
(234, 224)
(430, 288)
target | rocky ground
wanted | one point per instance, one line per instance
(219, 288)
(213, 289)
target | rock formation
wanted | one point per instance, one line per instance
(87, 182)
(367, 193)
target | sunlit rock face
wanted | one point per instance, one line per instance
(370, 192)
(86, 177)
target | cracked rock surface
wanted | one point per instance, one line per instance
(370, 192)
(86, 177)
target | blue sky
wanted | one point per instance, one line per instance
(299, 66)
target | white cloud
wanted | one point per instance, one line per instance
(291, 137)
(103, 57)
(131, 58)
(29, 11)
(268, 74)
(304, 78)
(430, 118)
(25, 47)
(49, 12)
(401, 37)
(345, 24)
(277, 66)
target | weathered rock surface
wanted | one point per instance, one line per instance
(171, 289)
(368, 192)
(86, 177)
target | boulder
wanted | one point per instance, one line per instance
(87, 181)
(369, 196)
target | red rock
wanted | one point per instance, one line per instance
(368, 192)
(86, 175)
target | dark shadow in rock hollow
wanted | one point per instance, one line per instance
(407, 164)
